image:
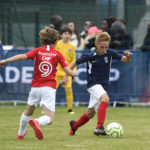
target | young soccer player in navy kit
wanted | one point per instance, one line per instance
(98, 69)
(43, 89)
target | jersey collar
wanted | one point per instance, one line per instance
(49, 48)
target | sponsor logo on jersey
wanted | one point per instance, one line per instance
(46, 58)
(106, 59)
(94, 61)
(69, 50)
(47, 54)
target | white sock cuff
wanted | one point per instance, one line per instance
(23, 124)
(25, 117)
(44, 120)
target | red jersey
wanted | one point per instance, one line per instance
(46, 61)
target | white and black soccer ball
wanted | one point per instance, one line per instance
(114, 129)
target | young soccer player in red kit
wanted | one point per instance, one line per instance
(43, 89)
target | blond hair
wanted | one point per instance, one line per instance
(48, 36)
(102, 37)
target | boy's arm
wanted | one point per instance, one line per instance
(68, 70)
(12, 59)
(72, 65)
(127, 57)
(65, 78)
(74, 58)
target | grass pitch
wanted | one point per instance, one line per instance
(135, 122)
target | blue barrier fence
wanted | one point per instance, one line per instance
(128, 82)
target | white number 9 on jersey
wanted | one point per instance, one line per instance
(45, 68)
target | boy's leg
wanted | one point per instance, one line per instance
(101, 114)
(69, 98)
(47, 118)
(48, 96)
(24, 121)
(41, 121)
(69, 95)
(81, 121)
(97, 94)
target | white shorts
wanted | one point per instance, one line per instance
(43, 96)
(96, 92)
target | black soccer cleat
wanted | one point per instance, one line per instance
(72, 130)
(71, 112)
(100, 131)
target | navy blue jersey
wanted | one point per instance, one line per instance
(98, 67)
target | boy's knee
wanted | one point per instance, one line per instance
(90, 115)
(104, 98)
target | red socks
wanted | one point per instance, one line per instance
(81, 121)
(100, 117)
(101, 114)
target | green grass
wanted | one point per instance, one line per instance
(135, 121)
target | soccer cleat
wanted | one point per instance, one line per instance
(71, 112)
(72, 130)
(37, 130)
(100, 131)
(21, 137)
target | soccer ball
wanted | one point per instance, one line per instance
(114, 129)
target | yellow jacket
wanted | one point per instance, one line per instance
(68, 51)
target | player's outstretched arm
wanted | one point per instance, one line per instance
(71, 67)
(12, 59)
(127, 57)
(68, 70)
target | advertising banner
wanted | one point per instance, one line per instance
(129, 82)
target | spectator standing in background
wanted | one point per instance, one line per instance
(43, 89)
(87, 25)
(106, 24)
(56, 22)
(90, 39)
(120, 38)
(98, 70)
(67, 49)
(146, 43)
(76, 39)
(123, 21)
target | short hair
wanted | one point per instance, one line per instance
(48, 36)
(66, 29)
(123, 21)
(55, 18)
(110, 20)
(102, 37)
(91, 21)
